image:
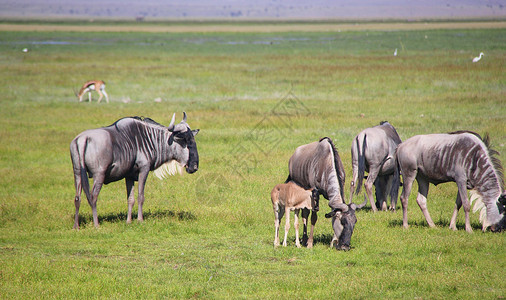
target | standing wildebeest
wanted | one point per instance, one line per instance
(129, 148)
(373, 150)
(318, 166)
(462, 157)
(289, 196)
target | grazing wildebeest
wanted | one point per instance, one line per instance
(129, 148)
(318, 166)
(462, 157)
(289, 196)
(373, 150)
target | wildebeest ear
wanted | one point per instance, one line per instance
(502, 198)
(194, 132)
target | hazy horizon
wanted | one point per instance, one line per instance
(245, 10)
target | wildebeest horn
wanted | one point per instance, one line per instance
(340, 207)
(171, 125)
(184, 117)
(363, 203)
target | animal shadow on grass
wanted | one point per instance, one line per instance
(439, 223)
(84, 219)
(322, 238)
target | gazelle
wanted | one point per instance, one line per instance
(93, 85)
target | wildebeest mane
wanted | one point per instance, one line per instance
(391, 132)
(340, 178)
(148, 121)
(466, 131)
(491, 152)
(495, 160)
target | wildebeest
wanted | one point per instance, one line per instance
(318, 166)
(373, 150)
(129, 148)
(462, 157)
(289, 196)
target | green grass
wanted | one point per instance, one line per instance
(210, 234)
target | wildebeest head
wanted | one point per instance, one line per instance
(183, 138)
(343, 222)
(501, 205)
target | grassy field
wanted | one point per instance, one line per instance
(255, 96)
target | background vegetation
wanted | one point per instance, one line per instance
(255, 97)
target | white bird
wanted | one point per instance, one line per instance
(395, 52)
(477, 59)
(25, 50)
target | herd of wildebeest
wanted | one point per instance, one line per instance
(132, 147)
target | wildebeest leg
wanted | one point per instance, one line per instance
(453, 221)
(353, 180)
(278, 215)
(314, 218)
(408, 177)
(381, 190)
(130, 184)
(77, 199)
(461, 184)
(388, 192)
(287, 225)
(373, 174)
(305, 214)
(143, 175)
(421, 199)
(296, 225)
(98, 181)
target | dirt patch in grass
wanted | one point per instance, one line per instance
(244, 27)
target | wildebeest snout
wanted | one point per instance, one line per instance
(192, 168)
(343, 247)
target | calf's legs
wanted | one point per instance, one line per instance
(278, 215)
(287, 225)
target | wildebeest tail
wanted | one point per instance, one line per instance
(81, 144)
(361, 162)
(396, 183)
